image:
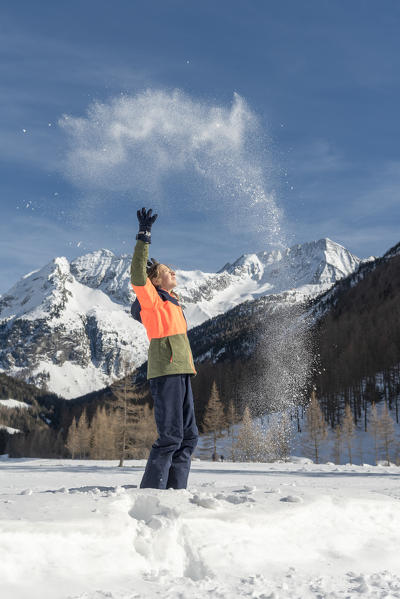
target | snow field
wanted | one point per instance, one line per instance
(81, 529)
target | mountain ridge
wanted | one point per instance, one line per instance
(68, 324)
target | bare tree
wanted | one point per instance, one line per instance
(72, 442)
(277, 439)
(102, 435)
(126, 414)
(373, 429)
(386, 432)
(135, 427)
(144, 433)
(250, 444)
(214, 420)
(348, 430)
(337, 444)
(83, 433)
(232, 420)
(316, 428)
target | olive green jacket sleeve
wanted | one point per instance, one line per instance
(139, 263)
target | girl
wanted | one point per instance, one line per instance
(169, 367)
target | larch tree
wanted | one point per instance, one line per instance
(72, 442)
(232, 420)
(83, 433)
(126, 416)
(144, 432)
(277, 439)
(214, 419)
(337, 444)
(316, 428)
(348, 431)
(102, 437)
(386, 433)
(231, 416)
(250, 444)
(373, 429)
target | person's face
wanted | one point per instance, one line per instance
(167, 278)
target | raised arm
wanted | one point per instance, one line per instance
(142, 286)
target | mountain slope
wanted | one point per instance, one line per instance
(359, 335)
(355, 336)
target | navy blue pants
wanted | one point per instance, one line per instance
(169, 461)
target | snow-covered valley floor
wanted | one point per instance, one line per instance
(82, 529)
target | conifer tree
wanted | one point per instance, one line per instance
(109, 441)
(214, 418)
(316, 428)
(145, 432)
(72, 439)
(373, 429)
(386, 432)
(58, 447)
(102, 435)
(337, 444)
(232, 419)
(348, 430)
(250, 444)
(277, 439)
(135, 428)
(360, 449)
(83, 433)
(231, 416)
(127, 414)
(245, 439)
(94, 441)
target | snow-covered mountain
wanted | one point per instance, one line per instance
(57, 331)
(68, 324)
(304, 270)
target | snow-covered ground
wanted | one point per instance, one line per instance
(82, 529)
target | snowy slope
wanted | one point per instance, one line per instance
(83, 530)
(68, 325)
(13, 403)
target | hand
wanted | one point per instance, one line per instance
(146, 221)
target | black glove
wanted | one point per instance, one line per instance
(146, 221)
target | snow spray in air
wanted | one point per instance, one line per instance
(138, 144)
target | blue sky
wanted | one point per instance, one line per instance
(321, 76)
